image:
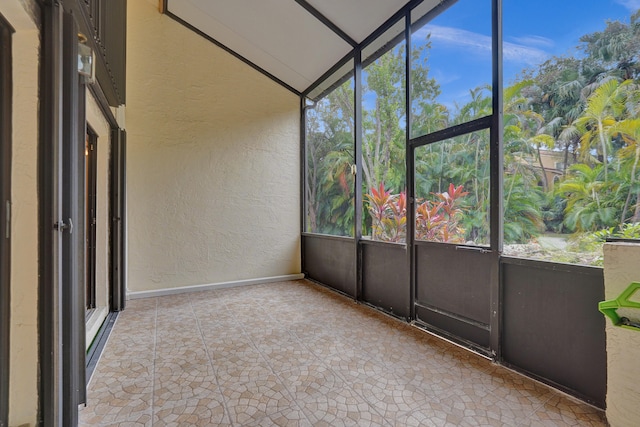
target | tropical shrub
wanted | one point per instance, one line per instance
(388, 214)
(437, 220)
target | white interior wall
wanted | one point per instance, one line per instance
(23, 369)
(213, 191)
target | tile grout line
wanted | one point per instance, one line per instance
(153, 364)
(284, 384)
(211, 364)
(483, 370)
(266, 360)
(550, 392)
(535, 409)
(355, 392)
(338, 375)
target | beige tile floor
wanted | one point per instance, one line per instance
(296, 354)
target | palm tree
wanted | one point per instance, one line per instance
(591, 201)
(629, 130)
(603, 108)
(329, 148)
(523, 217)
(526, 125)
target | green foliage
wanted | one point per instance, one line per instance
(592, 242)
(591, 200)
(625, 231)
(388, 213)
(329, 184)
(523, 216)
(383, 126)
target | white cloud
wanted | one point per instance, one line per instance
(480, 43)
(455, 36)
(445, 78)
(523, 54)
(533, 40)
(632, 5)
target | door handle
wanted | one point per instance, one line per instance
(62, 226)
(474, 248)
(7, 218)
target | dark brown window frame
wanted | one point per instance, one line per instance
(6, 100)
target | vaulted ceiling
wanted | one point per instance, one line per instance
(294, 41)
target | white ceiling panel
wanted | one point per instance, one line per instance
(287, 41)
(358, 18)
(279, 36)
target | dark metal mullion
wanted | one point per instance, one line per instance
(123, 219)
(6, 89)
(80, 326)
(357, 154)
(410, 170)
(115, 220)
(114, 225)
(377, 33)
(348, 57)
(497, 157)
(90, 206)
(327, 22)
(496, 166)
(118, 221)
(400, 14)
(453, 131)
(303, 178)
(49, 184)
(72, 257)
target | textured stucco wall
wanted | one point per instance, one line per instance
(212, 161)
(621, 267)
(23, 370)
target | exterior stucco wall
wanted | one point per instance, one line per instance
(213, 189)
(621, 267)
(23, 370)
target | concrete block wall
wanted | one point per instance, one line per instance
(213, 161)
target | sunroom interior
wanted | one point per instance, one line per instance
(393, 152)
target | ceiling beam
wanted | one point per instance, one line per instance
(327, 22)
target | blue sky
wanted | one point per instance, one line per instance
(460, 57)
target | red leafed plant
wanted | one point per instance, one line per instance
(388, 213)
(439, 221)
(436, 220)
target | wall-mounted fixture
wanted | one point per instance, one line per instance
(86, 59)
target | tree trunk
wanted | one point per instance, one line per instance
(545, 182)
(631, 181)
(603, 144)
